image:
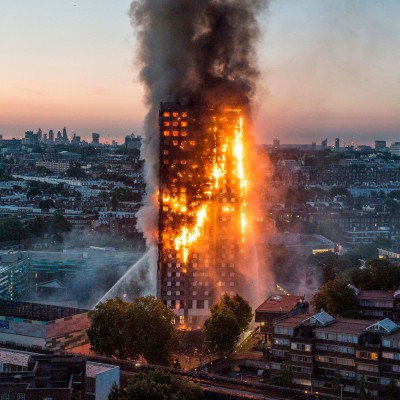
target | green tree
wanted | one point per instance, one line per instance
(11, 229)
(286, 375)
(377, 275)
(58, 223)
(221, 330)
(159, 385)
(107, 328)
(127, 330)
(240, 308)
(392, 391)
(336, 383)
(154, 335)
(46, 204)
(33, 192)
(75, 171)
(116, 393)
(336, 298)
(363, 394)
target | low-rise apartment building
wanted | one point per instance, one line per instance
(319, 350)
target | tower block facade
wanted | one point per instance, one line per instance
(201, 208)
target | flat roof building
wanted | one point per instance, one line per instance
(42, 326)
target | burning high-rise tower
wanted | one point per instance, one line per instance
(200, 56)
(201, 207)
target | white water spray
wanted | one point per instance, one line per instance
(139, 279)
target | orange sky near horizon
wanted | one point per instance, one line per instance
(328, 69)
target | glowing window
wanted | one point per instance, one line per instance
(165, 208)
(183, 123)
(192, 143)
(174, 114)
(166, 152)
(181, 319)
(183, 161)
(175, 133)
(166, 162)
(166, 114)
(175, 123)
(166, 123)
(184, 133)
(175, 143)
(184, 114)
(166, 133)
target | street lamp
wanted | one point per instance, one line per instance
(341, 391)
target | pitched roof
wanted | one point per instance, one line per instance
(322, 318)
(385, 325)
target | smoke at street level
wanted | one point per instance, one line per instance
(192, 52)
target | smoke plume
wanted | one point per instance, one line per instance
(191, 52)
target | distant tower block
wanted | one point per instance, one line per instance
(337, 144)
(96, 138)
(380, 145)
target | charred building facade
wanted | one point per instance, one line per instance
(201, 208)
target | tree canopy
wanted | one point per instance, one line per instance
(336, 298)
(128, 330)
(107, 328)
(377, 275)
(159, 385)
(228, 319)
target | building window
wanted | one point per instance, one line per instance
(20, 396)
(5, 396)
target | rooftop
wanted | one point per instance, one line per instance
(39, 312)
(292, 322)
(347, 325)
(279, 304)
(383, 295)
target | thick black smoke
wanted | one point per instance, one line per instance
(192, 52)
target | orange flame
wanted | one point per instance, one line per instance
(230, 142)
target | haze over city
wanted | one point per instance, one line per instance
(329, 69)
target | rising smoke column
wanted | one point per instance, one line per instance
(191, 52)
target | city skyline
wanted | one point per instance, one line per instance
(328, 70)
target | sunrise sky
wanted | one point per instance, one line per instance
(330, 67)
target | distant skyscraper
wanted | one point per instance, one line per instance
(133, 142)
(51, 136)
(395, 149)
(324, 144)
(380, 144)
(276, 144)
(96, 138)
(65, 135)
(75, 139)
(337, 144)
